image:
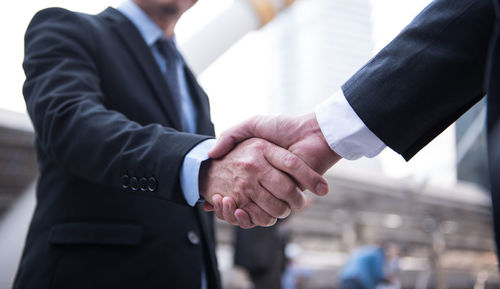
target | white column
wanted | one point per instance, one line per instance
(241, 17)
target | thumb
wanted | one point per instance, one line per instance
(232, 137)
(222, 147)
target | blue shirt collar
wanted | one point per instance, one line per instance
(146, 26)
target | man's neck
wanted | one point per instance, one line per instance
(165, 19)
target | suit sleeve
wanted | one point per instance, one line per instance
(427, 77)
(73, 127)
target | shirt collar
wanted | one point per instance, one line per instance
(149, 30)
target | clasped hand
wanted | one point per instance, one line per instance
(259, 169)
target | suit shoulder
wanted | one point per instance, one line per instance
(53, 13)
(52, 22)
(59, 28)
(58, 15)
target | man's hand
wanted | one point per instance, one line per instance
(259, 178)
(300, 135)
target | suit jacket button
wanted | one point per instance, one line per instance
(134, 184)
(193, 238)
(152, 184)
(143, 184)
(125, 181)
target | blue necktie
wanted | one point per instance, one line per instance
(173, 60)
(172, 75)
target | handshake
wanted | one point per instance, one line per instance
(259, 169)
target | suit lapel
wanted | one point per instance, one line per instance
(144, 58)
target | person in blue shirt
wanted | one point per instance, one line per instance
(365, 269)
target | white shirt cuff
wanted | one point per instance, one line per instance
(344, 131)
(190, 170)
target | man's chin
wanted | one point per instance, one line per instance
(177, 8)
(170, 10)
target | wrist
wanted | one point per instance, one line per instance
(330, 155)
(324, 156)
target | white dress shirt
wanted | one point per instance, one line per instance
(344, 131)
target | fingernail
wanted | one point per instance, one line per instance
(273, 221)
(321, 189)
(285, 215)
(237, 218)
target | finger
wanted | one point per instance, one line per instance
(228, 208)
(243, 219)
(258, 216)
(291, 164)
(275, 207)
(225, 143)
(283, 188)
(231, 137)
(207, 207)
(217, 203)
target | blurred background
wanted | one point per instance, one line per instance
(435, 209)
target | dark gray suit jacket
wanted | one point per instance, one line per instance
(110, 212)
(440, 65)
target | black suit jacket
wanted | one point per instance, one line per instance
(440, 65)
(110, 212)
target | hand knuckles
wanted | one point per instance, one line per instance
(239, 188)
(259, 145)
(249, 165)
(291, 161)
(288, 190)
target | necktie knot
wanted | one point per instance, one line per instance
(169, 50)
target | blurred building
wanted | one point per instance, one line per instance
(18, 171)
(472, 161)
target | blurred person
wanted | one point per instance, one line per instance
(122, 128)
(439, 66)
(295, 275)
(393, 253)
(261, 252)
(370, 267)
